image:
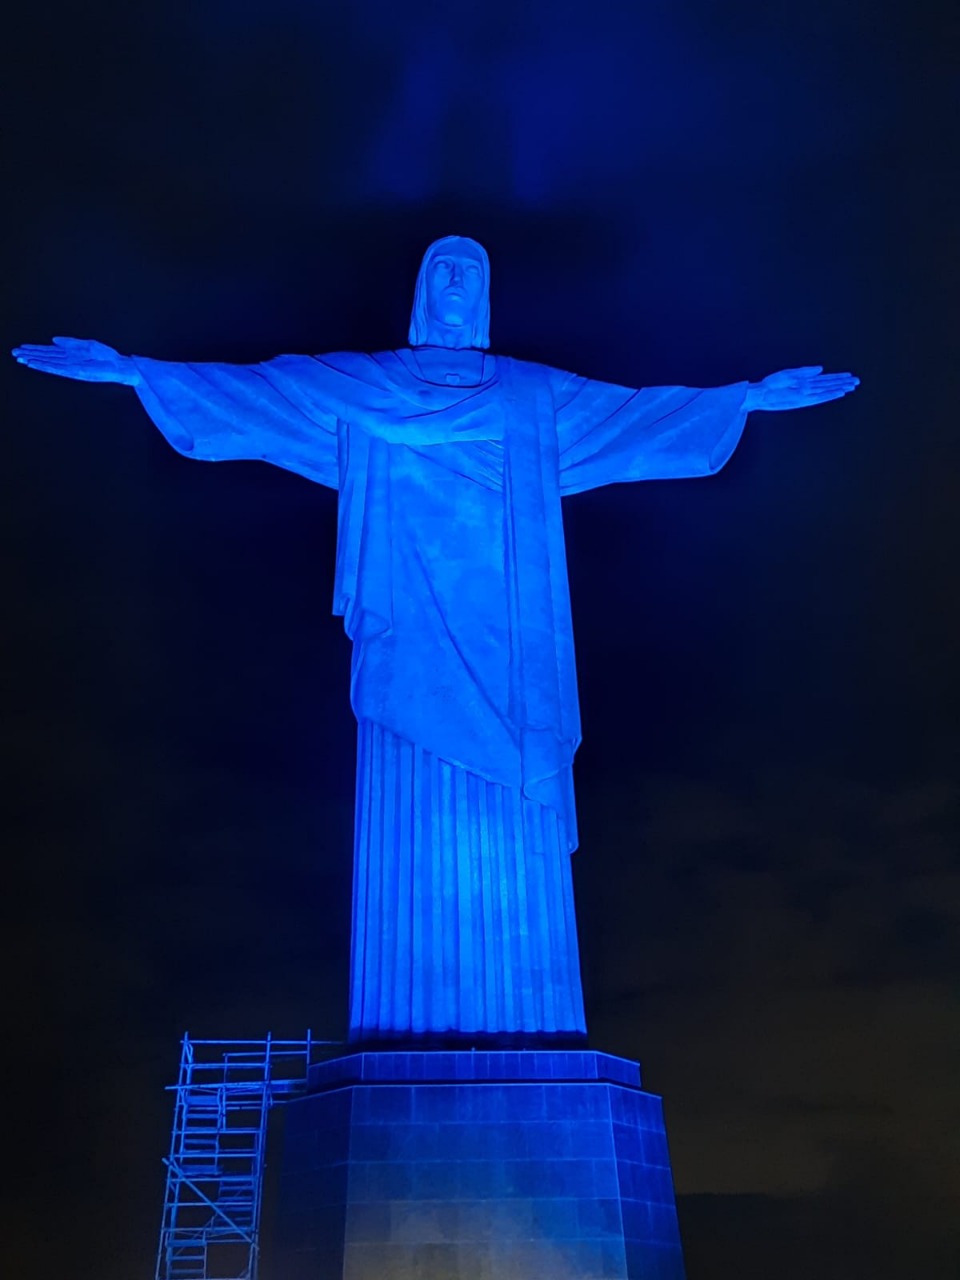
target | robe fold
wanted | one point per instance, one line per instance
(451, 579)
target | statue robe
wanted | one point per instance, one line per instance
(451, 579)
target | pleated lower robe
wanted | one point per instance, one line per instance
(463, 915)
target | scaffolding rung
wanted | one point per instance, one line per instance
(220, 1152)
(217, 1134)
(192, 1161)
(196, 1239)
(215, 1174)
(224, 1237)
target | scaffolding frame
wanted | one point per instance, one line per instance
(214, 1182)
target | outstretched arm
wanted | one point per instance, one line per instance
(609, 434)
(284, 411)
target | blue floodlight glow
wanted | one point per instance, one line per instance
(450, 464)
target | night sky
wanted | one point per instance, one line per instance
(768, 882)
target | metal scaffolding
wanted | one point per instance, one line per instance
(211, 1209)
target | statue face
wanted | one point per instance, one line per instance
(455, 286)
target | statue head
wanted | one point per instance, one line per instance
(451, 305)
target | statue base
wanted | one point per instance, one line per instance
(529, 1165)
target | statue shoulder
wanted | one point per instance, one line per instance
(533, 373)
(341, 360)
(361, 365)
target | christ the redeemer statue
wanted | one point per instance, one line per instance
(450, 464)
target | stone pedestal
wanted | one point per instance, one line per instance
(535, 1165)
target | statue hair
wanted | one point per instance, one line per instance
(480, 333)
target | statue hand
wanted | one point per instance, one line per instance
(797, 388)
(80, 358)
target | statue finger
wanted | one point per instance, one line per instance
(820, 397)
(35, 349)
(51, 353)
(44, 362)
(830, 387)
(828, 381)
(66, 368)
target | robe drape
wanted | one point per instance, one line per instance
(451, 580)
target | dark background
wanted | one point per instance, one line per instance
(768, 884)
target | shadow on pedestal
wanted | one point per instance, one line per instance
(528, 1165)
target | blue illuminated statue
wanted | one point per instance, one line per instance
(450, 465)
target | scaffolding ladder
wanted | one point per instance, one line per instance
(210, 1228)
